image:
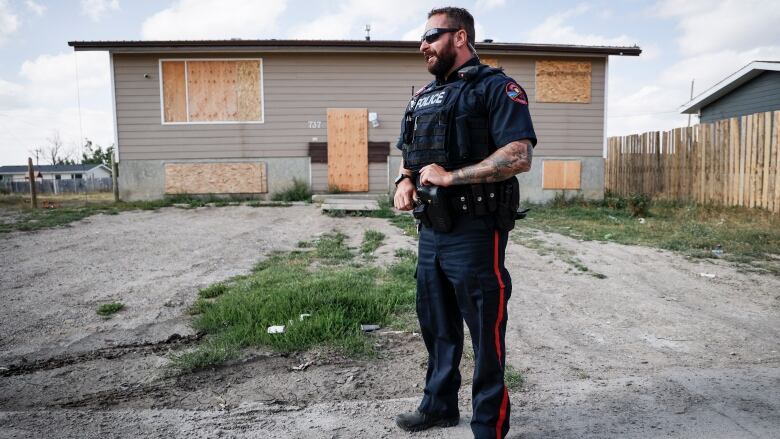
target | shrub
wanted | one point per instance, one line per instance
(298, 191)
(639, 204)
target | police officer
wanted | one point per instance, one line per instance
(464, 137)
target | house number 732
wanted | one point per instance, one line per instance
(315, 124)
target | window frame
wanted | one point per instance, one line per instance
(187, 95)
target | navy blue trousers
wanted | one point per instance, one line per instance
(461, 276)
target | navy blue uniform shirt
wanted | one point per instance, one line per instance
(506, 104)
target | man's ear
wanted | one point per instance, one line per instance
(461, 38)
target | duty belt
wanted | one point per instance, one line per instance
(473, 199)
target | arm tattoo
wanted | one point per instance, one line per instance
(511, 159)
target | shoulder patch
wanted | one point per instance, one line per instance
(516, 93)
(421, 90)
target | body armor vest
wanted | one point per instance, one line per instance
(447, 124)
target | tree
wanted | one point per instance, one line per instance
(55, 153)
(94, 154)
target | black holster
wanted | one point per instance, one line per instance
(433, 210)
(508, 205)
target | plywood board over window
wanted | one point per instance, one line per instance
(212, 91)
(348, 149)
(564, 81)
(492, 62)
(215, 178)
(561, 174)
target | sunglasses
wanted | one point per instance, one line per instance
(432, 35)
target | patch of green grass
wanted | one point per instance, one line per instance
(298, 191)
(750, 237)
(74, 208)
(330, 248)
(212, 352)
(340, 297)
(522, 236)
(213, 290)
(371, 241)
(108, 309)
(513, 379)
(268, 204)
(406, 223)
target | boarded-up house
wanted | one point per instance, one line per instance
(248, 116)
(755, 88)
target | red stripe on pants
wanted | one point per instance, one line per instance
(499, 319)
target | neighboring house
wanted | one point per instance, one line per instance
(248, 116)
(57, 172)
(753, 89)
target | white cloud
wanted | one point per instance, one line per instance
(555, 30)
(25, 128)
(11, 95)
(486, 5)
(210, 19)
(97, 9)
(44, 100)
(36, 8)
(9, 22)
(350, 17)
(53, 78)
(709, 26)
(715, 39)
(655, 106)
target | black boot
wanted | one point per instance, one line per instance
(418, 421)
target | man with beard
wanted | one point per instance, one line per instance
(464, 137)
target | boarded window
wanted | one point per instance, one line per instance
(563, 81)
(492, 62)
(561, 174)
(215, 178)
(212, 91)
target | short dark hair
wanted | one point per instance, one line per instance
(458, 18)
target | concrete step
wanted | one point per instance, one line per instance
(349, 205)
(320, 198)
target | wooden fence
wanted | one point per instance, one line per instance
(732, 162)
(76, 185)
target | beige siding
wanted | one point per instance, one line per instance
(300, 87)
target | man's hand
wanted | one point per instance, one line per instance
(434, 174)
(405, 194)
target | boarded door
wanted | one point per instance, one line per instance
(348, 149)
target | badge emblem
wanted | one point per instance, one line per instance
(516, 93)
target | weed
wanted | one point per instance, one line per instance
(213, 290)
(213, 352)
(371, 241)
(748, 237)
(513, 379)
(331, 249)
(406, 223)
(108, 309)
(339, 298)
(639, 205)
(405, 253)
(298, 191)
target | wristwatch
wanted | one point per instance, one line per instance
(400, 178)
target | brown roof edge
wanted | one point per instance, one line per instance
(344, 44)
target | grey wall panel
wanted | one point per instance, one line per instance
(760, 94)
(299, 88)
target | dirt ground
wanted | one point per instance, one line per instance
(644, 344)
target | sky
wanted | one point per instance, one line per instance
(47, 90)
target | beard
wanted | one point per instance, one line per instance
(444, 61)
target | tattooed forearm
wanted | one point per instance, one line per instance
(507, 161)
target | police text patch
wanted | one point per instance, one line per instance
(516, 93)
(432, 99)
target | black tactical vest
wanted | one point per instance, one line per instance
(447, 124)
